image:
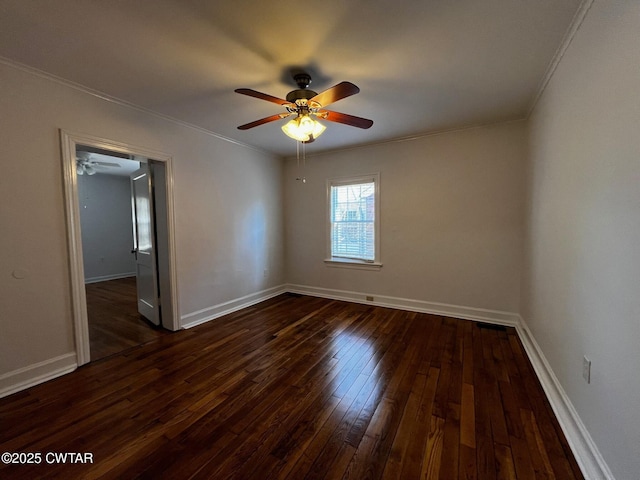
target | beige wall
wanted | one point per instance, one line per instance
(581, 291)
(228, 209)
(451, 218)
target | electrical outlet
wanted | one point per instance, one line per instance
(369, 299)
(586, 369)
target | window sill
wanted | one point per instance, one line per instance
(352, 263)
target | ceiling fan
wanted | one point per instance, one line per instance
(86, 165)
(306, 104)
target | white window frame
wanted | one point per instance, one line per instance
(331, 261)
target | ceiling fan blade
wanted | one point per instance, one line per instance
(335, 93)
(262, 121)
(262, 96)
(107, 164)
(344, 118)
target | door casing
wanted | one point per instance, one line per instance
(69, 141)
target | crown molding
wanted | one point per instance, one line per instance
(573, 29)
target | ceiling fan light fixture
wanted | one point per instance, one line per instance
(303, 128)
(84, 167)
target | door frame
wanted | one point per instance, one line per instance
(68, 142)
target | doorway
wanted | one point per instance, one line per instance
(110, 274)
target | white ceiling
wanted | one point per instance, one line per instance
(421, 65)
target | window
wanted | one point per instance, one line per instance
(353, 223)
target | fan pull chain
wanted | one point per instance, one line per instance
(303, 179)
(304, 161)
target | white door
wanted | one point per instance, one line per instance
(144, 244)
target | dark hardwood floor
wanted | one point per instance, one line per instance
(299, 388)
(114, 322)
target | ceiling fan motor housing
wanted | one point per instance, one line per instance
(303, 80)
(300, 94)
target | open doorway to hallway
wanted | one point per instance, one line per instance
(161, 166)
(118, 293)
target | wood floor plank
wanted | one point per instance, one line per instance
(485, 458)
(298, 388)
(505, 467)
(450, 460)
(522, 459)
(539, 458)
(468, 417)
(412, 465)
(511, 411)
(403, 437)
(431, 467)
(467, 468)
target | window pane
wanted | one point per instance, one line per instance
(353, 221)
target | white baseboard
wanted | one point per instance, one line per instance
(106, 278)
(456, 311)
(210, 313)
(584, 449)
(37, 373)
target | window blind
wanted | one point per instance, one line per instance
(353, 221)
